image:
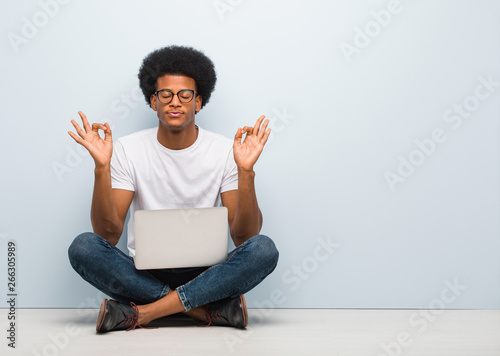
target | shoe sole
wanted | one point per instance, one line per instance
(102, 314)
(245, 313)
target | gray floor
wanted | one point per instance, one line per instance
(338, 332)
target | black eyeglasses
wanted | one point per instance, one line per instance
(185, 95)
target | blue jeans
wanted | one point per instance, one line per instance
(111, 271)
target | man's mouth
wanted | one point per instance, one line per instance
(174, 113)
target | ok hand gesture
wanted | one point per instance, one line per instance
(247, 152)
(100, 149)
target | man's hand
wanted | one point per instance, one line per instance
(100, 149)
(247, 152)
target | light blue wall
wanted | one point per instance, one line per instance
(349, 91)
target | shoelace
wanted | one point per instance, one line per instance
(215, 315)
(133, 319)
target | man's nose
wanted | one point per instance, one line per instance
(175, 101)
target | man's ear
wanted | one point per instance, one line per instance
(198, 102)
(152, 101)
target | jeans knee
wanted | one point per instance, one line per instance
(81, 246)
(267, 250)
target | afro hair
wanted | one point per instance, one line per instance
(178, 60)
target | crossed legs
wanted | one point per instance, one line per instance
(108, 269)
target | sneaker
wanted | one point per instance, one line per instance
(117, 316)
(228, 312)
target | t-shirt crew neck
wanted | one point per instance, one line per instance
(183, 150)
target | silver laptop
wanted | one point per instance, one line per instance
(177, 238)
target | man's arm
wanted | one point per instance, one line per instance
(245, 217)
(109, 206)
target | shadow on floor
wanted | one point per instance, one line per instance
(173, 320)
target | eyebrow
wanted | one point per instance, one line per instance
(178, 91)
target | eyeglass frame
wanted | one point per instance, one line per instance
(195, 94)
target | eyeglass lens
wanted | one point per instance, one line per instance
(185, 96)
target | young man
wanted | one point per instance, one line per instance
(175, 165)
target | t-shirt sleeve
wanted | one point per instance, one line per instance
(121, 174)
(230, 176)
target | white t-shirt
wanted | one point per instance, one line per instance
(163, 178)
